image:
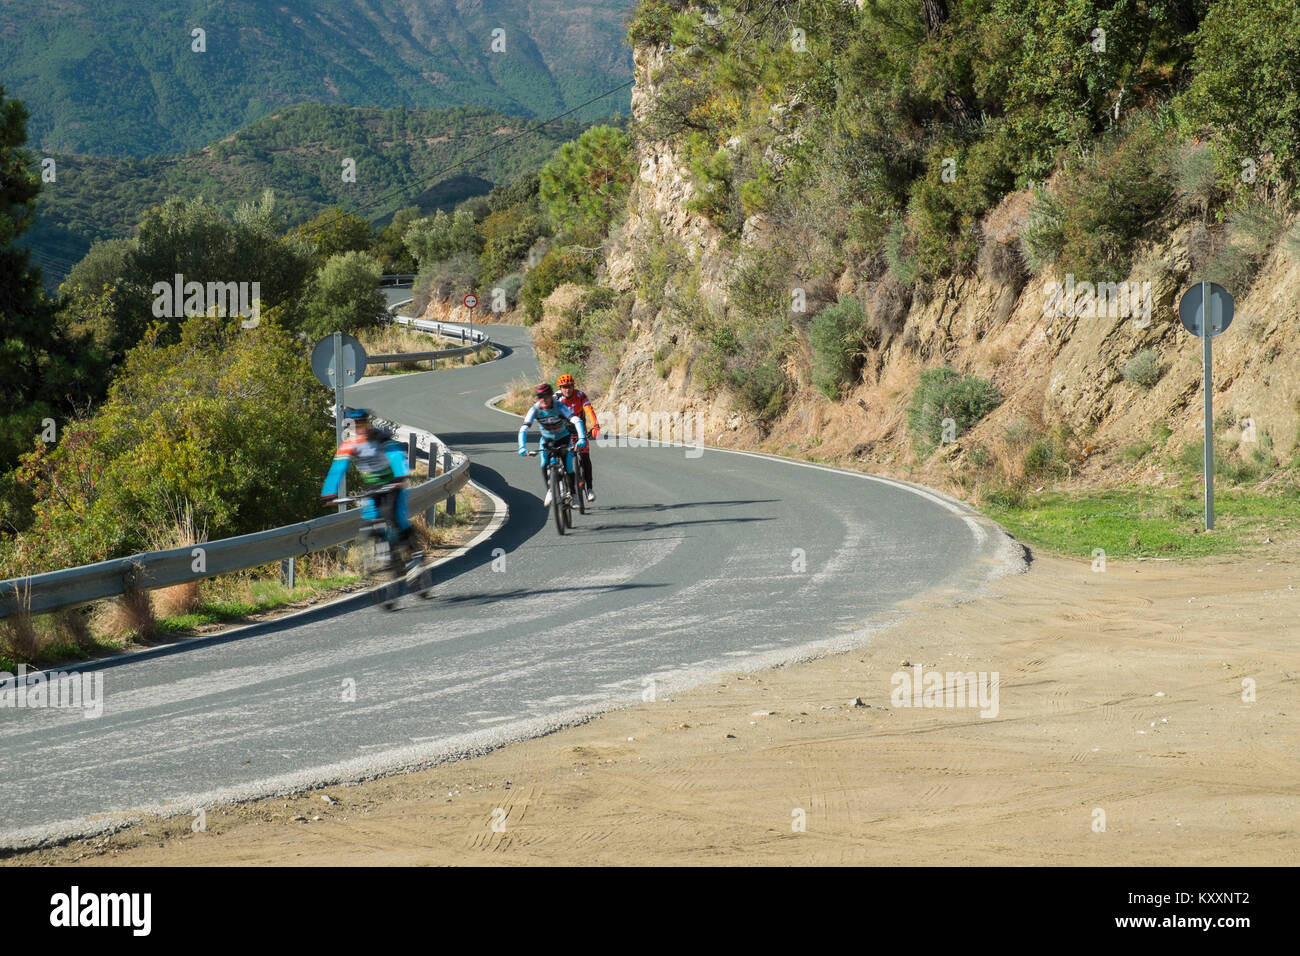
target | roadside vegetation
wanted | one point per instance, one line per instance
(144, 619)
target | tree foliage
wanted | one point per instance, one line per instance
(584, 186)
(345, 296)
(226, 421)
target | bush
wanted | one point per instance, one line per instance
(1247, 54)
(556, 268)
(446, 279)
(943, 393)
(345, 296)
(1044, 457)
(1044, 236)
(1143, 368)
(837, 335)
(441, 236)
(204, 425)
(1107, 201)
(764, 388)
(510, 287)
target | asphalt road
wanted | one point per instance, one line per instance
(691, 563)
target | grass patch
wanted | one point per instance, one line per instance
(1136, 523)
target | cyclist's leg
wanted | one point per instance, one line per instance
(401, 517)
(586, 467)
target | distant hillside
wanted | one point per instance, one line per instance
(299, 153)
(119, 78)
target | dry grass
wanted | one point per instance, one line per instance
(392, 339)
(72, 626)
(519, 396)
(178, 599)
(19, 638)
(182, 532)
(130, 616)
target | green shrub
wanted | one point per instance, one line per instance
(1044, 458)
(943, 393)
(1044, 236)
(1246, 57)
(902, 263)
(1109, 199)
(1135, 453)
(837, 335)
(556, 268)
(1143, 368)
(763, 387)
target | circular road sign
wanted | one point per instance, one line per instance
(1192, 311)
(354, 360)
(471, 300)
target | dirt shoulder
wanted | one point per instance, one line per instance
(1120, 693)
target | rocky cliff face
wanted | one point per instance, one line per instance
(1055, 350)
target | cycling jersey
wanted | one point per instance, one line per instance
(582, 405)
(378, 464)
(554, 422)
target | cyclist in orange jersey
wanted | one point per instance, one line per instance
(577, 400)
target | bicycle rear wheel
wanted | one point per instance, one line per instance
(556, 485)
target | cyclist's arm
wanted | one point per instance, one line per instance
(397, 461)
(523, 429)
(589, 413)
(581, 429)
(335, 476)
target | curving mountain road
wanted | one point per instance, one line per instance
(689, 565)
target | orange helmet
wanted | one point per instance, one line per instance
(565, 381)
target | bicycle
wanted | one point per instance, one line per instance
(387, 550)
(558, 481)
(579, 482)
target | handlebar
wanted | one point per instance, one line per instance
(351, 499)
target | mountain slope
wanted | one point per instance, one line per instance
(117, 79)
(403, 158)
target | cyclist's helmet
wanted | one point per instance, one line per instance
(359, 416)
(565, 381)
(544, 390)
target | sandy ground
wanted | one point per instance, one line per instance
(1121, 737)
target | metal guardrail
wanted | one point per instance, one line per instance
(54, 590)
(70, 587)
(478, 339)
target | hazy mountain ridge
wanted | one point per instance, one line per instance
(113, 79)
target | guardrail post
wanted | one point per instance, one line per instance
(288, 567)
(446, 467)
(410, 451)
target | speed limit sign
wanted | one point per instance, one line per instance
(471, 300)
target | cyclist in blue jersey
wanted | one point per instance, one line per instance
(555, 420)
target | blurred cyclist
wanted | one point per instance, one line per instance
(379, 461)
